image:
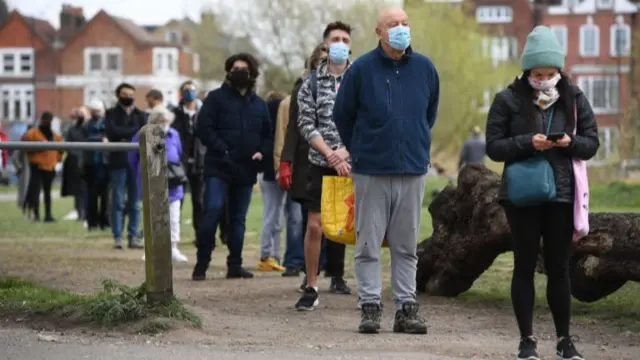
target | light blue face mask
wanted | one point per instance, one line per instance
(338, 53)
(400, 37)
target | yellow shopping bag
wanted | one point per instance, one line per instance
(338, 210)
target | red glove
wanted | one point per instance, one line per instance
(284, 175)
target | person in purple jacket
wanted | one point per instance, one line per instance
(161, 116)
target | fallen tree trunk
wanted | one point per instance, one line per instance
(470, 230)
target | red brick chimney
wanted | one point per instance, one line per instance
(71, 20)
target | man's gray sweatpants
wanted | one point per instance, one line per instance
(391, 205)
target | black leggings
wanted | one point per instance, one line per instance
(554, 223)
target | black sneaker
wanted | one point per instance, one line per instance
(239, 273)
(565, 350)
(339, 286)
(199, 272)
(370, 318)
(527, 349)
(308, 301)
(408, 321)
(303, 286)
(291, 272)
(49, 219)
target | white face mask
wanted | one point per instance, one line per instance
(544, 85)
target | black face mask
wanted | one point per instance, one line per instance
(80, 120)
(240, 79)
(125, 101)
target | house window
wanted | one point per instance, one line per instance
(25, 63)
(620, 40)
(500, 48)
(589, 39)
(113, 62)
(173, 36)
(494, 14)
(605, 4)
(5, 105)
(95, 62)
(165, 60)
(103, 59)
(8, 65)
(196, 62)
(609, 143)
(603, 93)
(16, 102)
(561, 33)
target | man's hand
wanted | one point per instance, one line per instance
(257, 156)
(540, 142)
(343, 169)
(284, 175)
(342, 154)
(563, 142)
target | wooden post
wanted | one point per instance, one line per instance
(155, 207)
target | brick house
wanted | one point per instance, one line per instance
(27, 67)
(109, 50)
(596, 35)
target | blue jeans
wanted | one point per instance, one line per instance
(123, 184)
(274, 201)
(239, 199)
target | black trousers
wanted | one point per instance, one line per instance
(97, 199)
(332, 254)
(80, 201)
(41, 180)
(554, 223)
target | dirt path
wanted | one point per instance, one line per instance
(255, 318)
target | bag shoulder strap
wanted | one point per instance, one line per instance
(313, 82)
(550, 119)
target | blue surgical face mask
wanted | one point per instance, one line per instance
(338, 52)
(400, 37)
(189, 95)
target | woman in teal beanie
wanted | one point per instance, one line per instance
(531, 123)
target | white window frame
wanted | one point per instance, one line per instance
(16, 55)
(605, 4)
(494, 14)
(596, 35)
(608, 136)
(104, 53)
(165, 60)
(561, 33)
(586, 84)
(21, 93)
(613, 40)
(196, 62)
(103, 93)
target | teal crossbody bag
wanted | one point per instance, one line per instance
(531, 182)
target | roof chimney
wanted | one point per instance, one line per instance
(71, 20)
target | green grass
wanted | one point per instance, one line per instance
(492, 288)
(115, 305)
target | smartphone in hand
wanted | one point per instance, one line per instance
(554, 137)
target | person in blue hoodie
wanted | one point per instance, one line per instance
(235, 127)
(384, 112)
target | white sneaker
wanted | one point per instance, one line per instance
(177, 256)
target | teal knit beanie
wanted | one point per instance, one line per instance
(542, 50)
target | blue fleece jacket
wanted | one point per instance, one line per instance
(384, 112)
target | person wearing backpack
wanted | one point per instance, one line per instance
(539, 126)
(327, 154)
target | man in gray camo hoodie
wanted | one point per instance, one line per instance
(327, 154)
